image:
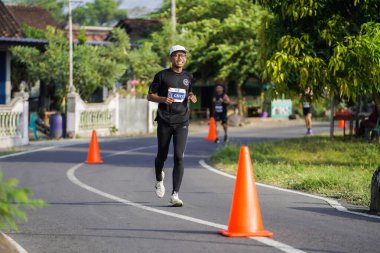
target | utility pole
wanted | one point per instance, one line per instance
(70, 47)
(71, 85)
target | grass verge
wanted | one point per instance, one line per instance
(333, 168)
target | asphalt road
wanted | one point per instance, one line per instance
(112, 207)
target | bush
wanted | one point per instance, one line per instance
(12, 200)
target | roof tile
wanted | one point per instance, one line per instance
(9, 26)
(34, 16)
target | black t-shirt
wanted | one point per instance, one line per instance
(177, 85)
(220, 107)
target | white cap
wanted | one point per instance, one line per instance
(177, 48)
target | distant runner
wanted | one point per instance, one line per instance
(221, 100)
(307, 109)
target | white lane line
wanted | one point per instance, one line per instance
(26, 152)
(169, 155)
(333, 203)
(267, 241)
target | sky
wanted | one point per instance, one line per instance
(151, 4)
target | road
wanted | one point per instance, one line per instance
(112, 207)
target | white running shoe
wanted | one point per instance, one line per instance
(175, 201)
(160, 188)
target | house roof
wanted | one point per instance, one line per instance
(34, 16)
(9, 26)
(93, 33)
(139, 28)
(12, 17)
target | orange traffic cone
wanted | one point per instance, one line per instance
(245, 215)
(94, 151)
(212, 130)
(341, 123)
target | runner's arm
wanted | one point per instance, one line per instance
(154, 97)
(226, 99)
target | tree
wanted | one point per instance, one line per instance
(325, 45)
(56, 8)
(100, 12)
(232, 47)
(223, 36)
(356, 63)
(143, 63)
(93, 66)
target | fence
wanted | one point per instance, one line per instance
(14, 122)
(83, 117)
(122, 116)
(137, 116)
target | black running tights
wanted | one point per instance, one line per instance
(164, 135)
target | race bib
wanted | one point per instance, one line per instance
(219, 108)
(306, 104)
(177, 94)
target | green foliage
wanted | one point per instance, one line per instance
(143, 63)
(333, 168)
(99, 12)
(325, 45)
(356, 61)
(93, 66)
(32, 32)
(82, 38)
(221, 36)
(232, 45)
(13, 200)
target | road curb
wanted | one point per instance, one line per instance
(8, 245)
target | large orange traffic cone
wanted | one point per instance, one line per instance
(212, 130)
(245, 216)
(94, 151)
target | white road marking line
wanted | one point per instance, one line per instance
(26, 152)
(267, 241)
(169, 155)
(333, 203)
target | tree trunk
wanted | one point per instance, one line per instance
(332, 112)
(376, 98)
(240, 98)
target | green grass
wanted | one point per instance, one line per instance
(333, 168)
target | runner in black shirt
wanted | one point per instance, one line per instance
(172, 89)
(221, 100)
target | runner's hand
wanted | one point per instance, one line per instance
(193, 98)
(168, 100)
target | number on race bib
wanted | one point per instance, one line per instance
(177, 94)
(218, 108)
